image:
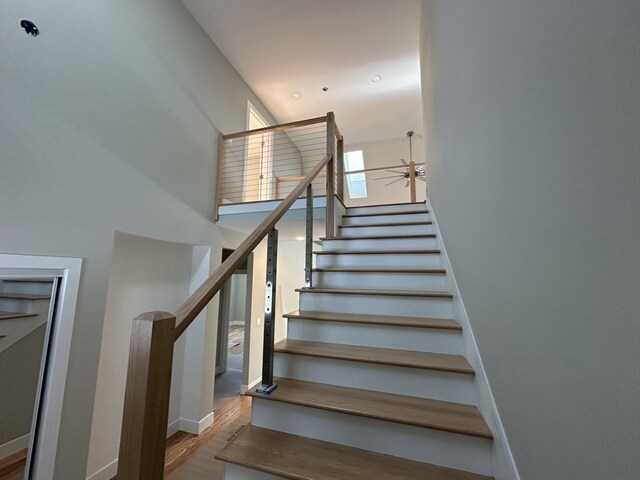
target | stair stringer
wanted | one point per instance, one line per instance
(503, 462)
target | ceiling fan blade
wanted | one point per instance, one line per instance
(395, 171)
(390, 176)
(395, 181)
(404, 162)
(407, 184)
(423, 179)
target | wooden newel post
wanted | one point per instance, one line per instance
(412, 180)
(146, 402)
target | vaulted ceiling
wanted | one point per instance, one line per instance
(282, 47)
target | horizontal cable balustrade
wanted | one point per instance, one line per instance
(146, 403)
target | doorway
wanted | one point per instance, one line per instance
(232, 342)
(258, 170)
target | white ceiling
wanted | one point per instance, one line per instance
(285, 46)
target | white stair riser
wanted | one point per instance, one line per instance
(390, 231)
(381, 281)
(237, 472)
(464, 452)
(367, 220)
(380, 244)
(32, 288)
(381, 336)
(14, 305)
(15, 329)
(414, 382)
(374, 260)
(377, 305)
(414, 207)
(21, 305)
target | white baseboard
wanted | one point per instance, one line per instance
(106, 473)
(14, 446)
(190, 426)
(196, 427)
(504, 463)
(246, 388)
(173, 427)
(181, 424)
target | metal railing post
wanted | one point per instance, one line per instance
(308, 252)
(331, 151)
(269, 315)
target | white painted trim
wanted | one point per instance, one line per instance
(245, 388)
(14, 446)
(44, 454)
(503, 461)
(173, 427)
(106, 473)
(196, 426)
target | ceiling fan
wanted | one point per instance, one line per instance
(419, 171)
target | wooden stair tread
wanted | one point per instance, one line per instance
(10, 315)
(419, 412)
(384, 356)
(399, 224)
(438, 323)
(386, 293)
(380, 237)
(410, 212)
(28, 280)
(301, 458)
(25, 296)
(424, 202)
(382, 270)
(431, 251)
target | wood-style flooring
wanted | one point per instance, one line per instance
(12, 467)
(191, 457)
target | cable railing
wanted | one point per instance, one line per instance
(146, 403)
(267, 163)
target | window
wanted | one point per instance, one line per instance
(357, 183)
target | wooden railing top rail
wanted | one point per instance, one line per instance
(275, 128)
(203, 295)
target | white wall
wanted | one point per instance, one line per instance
(238, 298)
(144, 275)
(381, 154)
(108, 122)
(532, 113)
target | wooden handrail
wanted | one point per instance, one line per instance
(203, 295)
(275, 128)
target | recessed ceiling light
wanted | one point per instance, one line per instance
(376, 78)
(296, 95)
(299, 238)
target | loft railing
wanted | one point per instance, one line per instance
(408, 172)
(146, 404)
(267, 163)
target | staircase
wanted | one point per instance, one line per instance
(24, 306)
(372, 381)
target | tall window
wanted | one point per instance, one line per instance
(356, 183)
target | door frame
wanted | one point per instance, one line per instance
(222, 340)
(54, 377)
(266, 156)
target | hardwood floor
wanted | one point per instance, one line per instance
(12, 467)
(191, 457)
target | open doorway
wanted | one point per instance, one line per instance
(232, 343)
(258, 169)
